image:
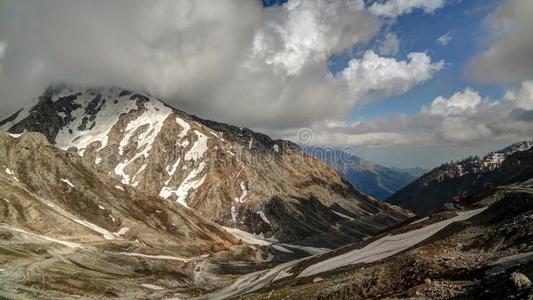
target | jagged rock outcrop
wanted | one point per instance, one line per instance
(229, 175)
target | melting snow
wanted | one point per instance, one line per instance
(216, 135)
(198, 148)
(257, 280)
(172, 170)
(152, 119)
(342, 215)
(152, 287)
(310, 250)
(49, 239)
(282, 249)
(123, 231)
(250, 238)
(9, 172)
(419, 221)
(104, 232)
(16, 135)
(234, 214)
(165, 257)
(186, 127)
(119, 187)
(244, 193)
(384, 247)
(101, 207)
(104, 120)
(262, 215)
(189, 183)
(67, 182)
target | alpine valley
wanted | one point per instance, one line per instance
(106, 174)
(111, 193)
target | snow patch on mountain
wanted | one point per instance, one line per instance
(189, 183)
(67, 182)
(385, 246)
(244, 194)
(186, 127)
(198, 148)
(70, 135)
(250, 238)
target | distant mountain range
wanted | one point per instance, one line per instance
(430, 192)
(370, 178)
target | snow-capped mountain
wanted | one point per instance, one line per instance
(461, 178)
(229, 175)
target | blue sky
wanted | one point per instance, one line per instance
(419, 32)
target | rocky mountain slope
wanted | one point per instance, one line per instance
(68, 230)
(370, 178)
(482, 252)
(460, 179)
(228, 175)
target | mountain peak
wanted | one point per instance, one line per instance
(232, 176)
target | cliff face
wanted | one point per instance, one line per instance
(232, 176)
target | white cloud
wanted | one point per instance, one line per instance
(465, 118)
(300, 32)
(390, 46)
(228, 60)
(394, 8)
(388, 76)
(2, 51)
(508, 57)
(459, 103)
(445, 38)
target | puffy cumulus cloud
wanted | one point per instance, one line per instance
(387, 76)
(508, 57)
(459, 103)
(465, 118)
(229, 60)
(390, 46)
(302, 32)
(394, 8)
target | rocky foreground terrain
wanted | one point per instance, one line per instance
(484, 251)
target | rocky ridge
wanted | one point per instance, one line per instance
(460, 179)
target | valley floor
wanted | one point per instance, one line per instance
(484, 250)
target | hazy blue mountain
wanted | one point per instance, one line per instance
(370, 178)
